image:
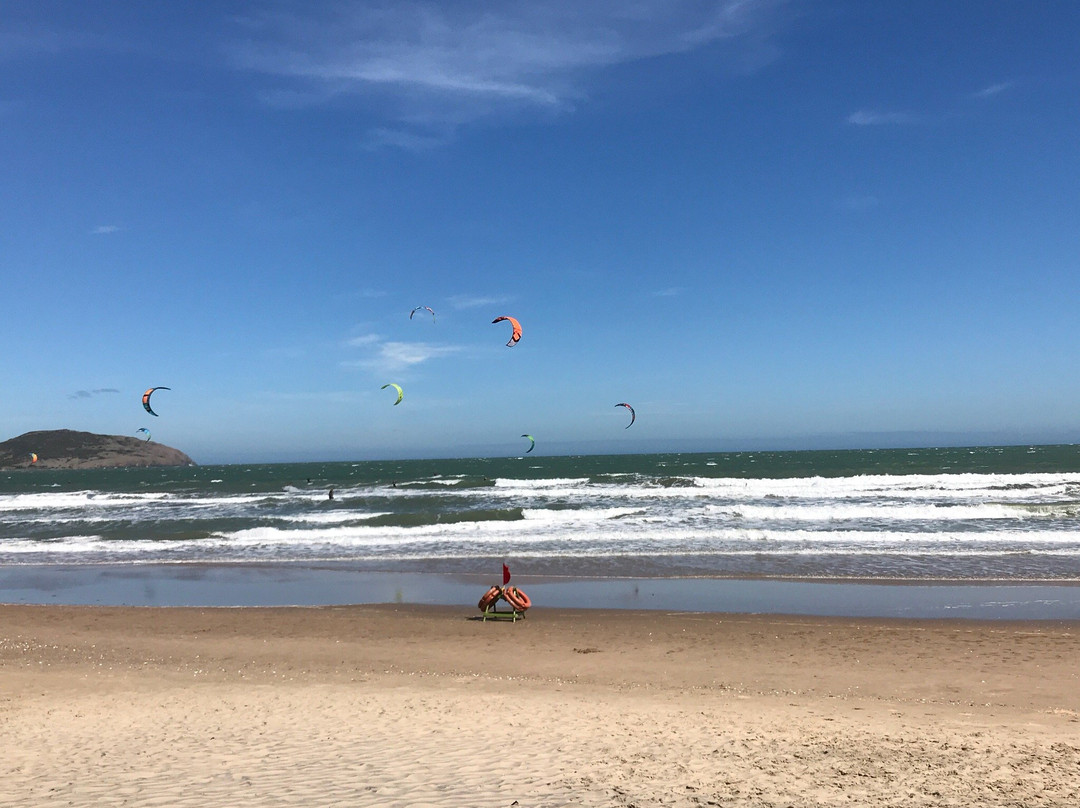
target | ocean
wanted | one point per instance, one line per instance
(967, 515)
(1000, 513)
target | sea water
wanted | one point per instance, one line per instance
(983, 514)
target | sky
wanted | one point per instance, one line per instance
(764, 224)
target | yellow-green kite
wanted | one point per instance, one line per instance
(400, 392)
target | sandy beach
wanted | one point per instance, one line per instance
(428, 706)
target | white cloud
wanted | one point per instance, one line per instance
(366, 339)
(391, 356)
(402, 139)
(671, 291)
(403, 354)
(867, 117)
(476, 302)
(994, 89)
(430, 65)
(878, 117)
(106, 229)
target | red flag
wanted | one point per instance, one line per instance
(506, 575)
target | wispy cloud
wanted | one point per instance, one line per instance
(994, 89)
(364, 340)
(106, 229)
(92, 393)
(885, 117)
(463, 302)
(671, 291)
(37, 41)
(870, 117)
(402, 139)
(387, 356)
(403, 354)
(428, 67)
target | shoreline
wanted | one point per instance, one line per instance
(412, 705)
(325, 584)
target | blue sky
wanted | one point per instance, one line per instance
(764, 224)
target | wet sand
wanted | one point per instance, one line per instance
(427, 706)
(326, 584)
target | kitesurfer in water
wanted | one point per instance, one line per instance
(331, 496)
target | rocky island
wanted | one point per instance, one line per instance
(68, 449)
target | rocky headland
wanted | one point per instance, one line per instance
(68, 449)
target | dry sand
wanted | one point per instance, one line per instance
(426, 706)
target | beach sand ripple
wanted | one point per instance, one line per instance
(416, 706)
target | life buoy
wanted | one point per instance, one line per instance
(490, 598)
(516, 598)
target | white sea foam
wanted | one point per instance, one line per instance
(97, 500)
(332, 517)
(888, 511)
(552, 482)
(575, 516)
(993, 486)
(635, 519)
(604, 535)
(982, 487)
(68, 544)
(74, 499)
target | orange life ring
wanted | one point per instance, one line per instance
(490, 598)
(516, 598)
